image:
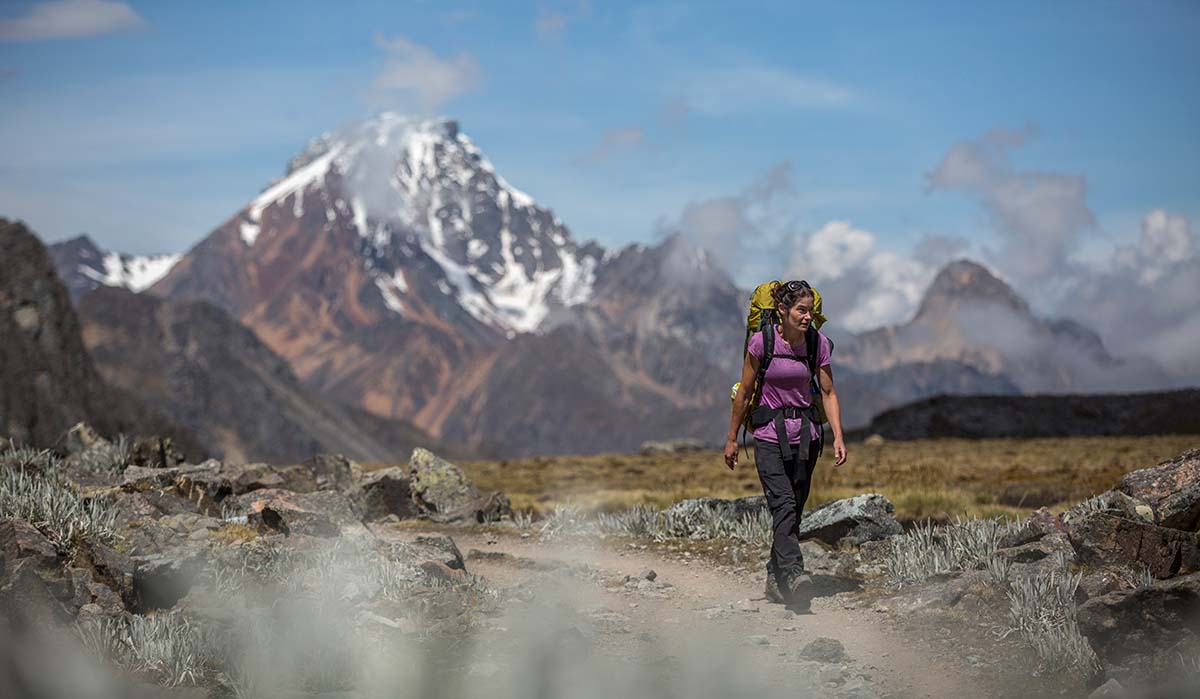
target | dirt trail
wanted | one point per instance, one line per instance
(726, 609)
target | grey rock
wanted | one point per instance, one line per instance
(648, 574)
(861, 518)
(386, 492)
(1032, 528)
(25, 594)
(332, 471)
(142, 478)
(19, 539)
(825, 650)
(1171, 489)
(323, 513)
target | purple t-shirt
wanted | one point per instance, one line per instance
(787, 382)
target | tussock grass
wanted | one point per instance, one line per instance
(936, 479)
(32, 488)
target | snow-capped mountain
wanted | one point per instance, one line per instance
(422, 197)
(83, 266)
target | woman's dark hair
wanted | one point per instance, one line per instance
(786, 294)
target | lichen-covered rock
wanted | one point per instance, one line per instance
(1140, 635)
(1171, 489)
(1105, 538)
(861, 518)
(444, 493)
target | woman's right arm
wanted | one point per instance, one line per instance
(741, 403)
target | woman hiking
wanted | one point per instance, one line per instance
(785, 461)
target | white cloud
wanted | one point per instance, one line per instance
(61, 19)
(862, 287)
(1143, 303)
(1039, 216)
(414, 72)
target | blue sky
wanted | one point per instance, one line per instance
(147, 124)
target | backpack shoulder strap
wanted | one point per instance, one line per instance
(812, 342)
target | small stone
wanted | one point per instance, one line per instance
(757, 640)
(648, 574)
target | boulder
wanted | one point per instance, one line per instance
(443, 492)
(322, 513)
(1140, 635)
(1171, 489)
(386, 492)
(1104, 538)
(861, 518)
(19, 539)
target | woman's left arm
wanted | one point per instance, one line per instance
(833, 411)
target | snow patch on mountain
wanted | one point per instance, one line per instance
(134, 272)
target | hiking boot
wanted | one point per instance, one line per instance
(773, 593)
(800, 593)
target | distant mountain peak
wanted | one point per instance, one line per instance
(964, 282)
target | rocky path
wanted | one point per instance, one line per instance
(696, 613)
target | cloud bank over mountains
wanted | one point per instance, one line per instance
(1140, 297)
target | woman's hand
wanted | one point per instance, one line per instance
(839, 452)
(731, 453)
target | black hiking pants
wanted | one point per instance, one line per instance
(786, 485)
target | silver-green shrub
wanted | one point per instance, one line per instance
(43, 498)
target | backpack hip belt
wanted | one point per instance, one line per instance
(808, 416)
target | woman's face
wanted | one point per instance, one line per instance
(799, 315)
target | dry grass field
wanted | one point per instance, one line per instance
(925, 479)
